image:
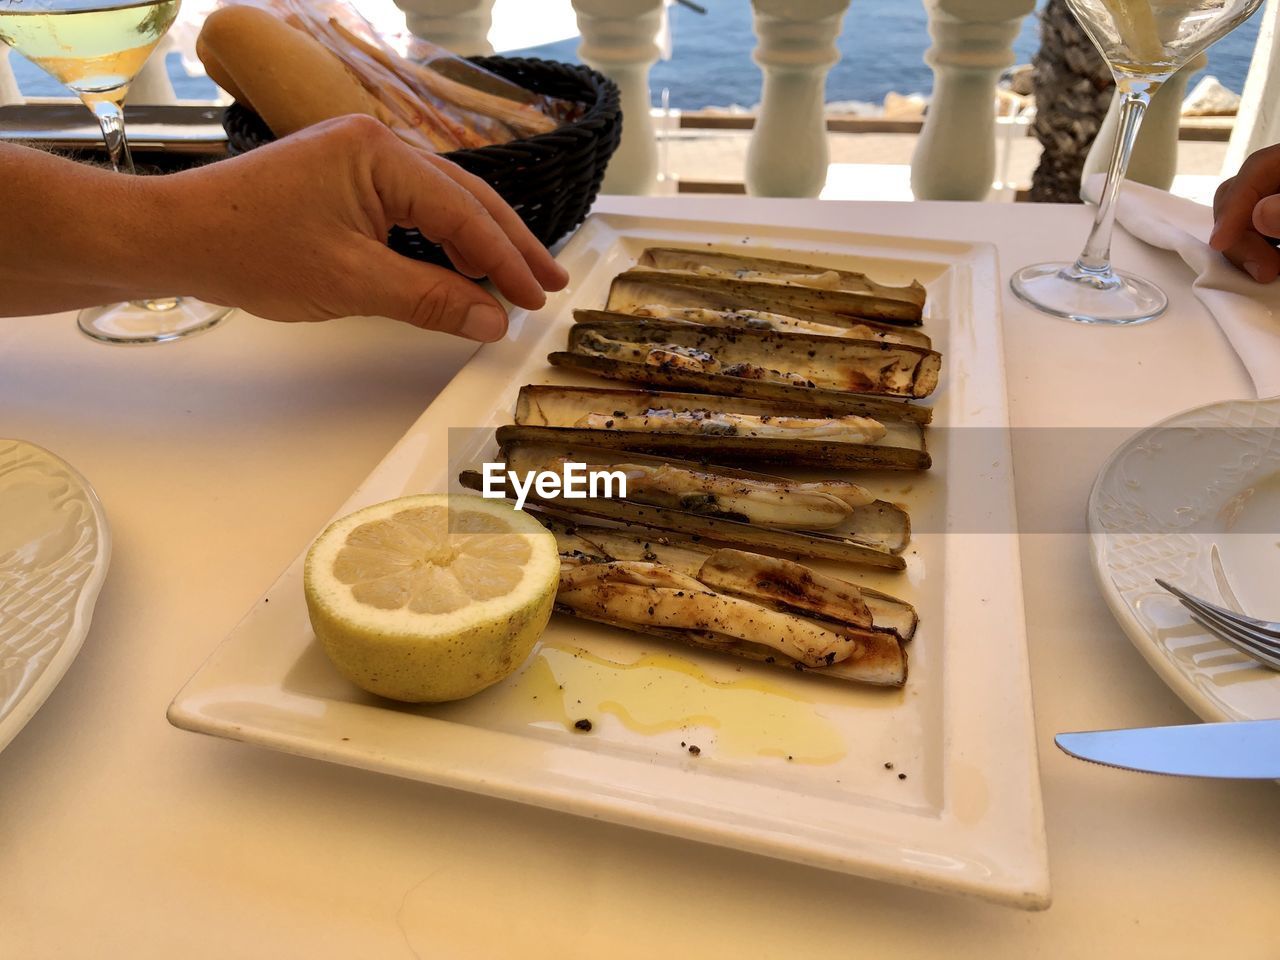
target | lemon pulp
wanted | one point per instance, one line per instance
(431, 597)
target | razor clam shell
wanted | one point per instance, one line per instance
(888, 410)
(883, 663)
(888, 613)
(880, 524)
(915, 373)
(785, 585)
(729, 533)
(548, 414)
(856, 294)
(638, 288)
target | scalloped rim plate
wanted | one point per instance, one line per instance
(1160, 503)
(55, 548)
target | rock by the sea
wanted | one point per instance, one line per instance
(910, 106)
(1209, 98)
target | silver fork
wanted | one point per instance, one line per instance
(1259, 639)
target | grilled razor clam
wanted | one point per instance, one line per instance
(648, 593)
(767, 501)
(718, 360)
(708, 263)
(639, 289)
(792, 585)
(748, 318)
(591, 543)
(790, 283)
(881, 547)
(708, 423)
(677, 424)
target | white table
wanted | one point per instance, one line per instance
(218, 458)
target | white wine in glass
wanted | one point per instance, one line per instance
(1144, 42)
(97, 47)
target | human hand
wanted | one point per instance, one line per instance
(1246, 212)
(297, 231)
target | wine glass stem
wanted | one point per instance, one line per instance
(111, 119)
(1135, 97)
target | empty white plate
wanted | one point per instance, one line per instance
(54, 552)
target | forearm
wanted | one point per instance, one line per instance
(74, 235)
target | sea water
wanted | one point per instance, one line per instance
(881, 47)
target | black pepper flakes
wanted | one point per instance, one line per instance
(902, 776)
(888, 765)
(584, 725)
(694, 749)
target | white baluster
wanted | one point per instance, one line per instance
(1258, 120)
(461, 26)
(955, 157)
(9, 92)
(1155, 155)
(787, 156)
(152, 84)
(619, 40)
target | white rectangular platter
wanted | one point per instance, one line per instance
(935, 785)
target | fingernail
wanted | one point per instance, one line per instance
(1254, 269)
(483, 323)
(1266, 216)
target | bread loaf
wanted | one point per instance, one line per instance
(286, 76)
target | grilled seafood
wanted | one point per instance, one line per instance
(712, 360)
(714, 599)
(790, 283)
(754, 498)
(650, 594)
(737, 508)
(767, 577)
(699, 299)
(873, 433)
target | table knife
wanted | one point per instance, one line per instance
(1248, 750)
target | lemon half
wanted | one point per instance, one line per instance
(431, 597)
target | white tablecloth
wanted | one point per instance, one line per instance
(218, 458)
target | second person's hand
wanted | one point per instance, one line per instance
(1246, 213)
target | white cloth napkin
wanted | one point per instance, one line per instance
(1247, 312)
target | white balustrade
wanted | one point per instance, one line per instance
(788, 154)
(9, 92)
(461, 26)
(619, 38)
(1155, 155)
(955, 157)
(1258, 120)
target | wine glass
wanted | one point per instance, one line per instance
(97, 47)
(1144, 42)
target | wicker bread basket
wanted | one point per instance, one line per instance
(551, 179)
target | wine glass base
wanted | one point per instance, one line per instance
(1110, 298)
(149, 321)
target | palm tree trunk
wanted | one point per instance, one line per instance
(1073, 89)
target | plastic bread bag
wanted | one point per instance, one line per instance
(444, 103)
